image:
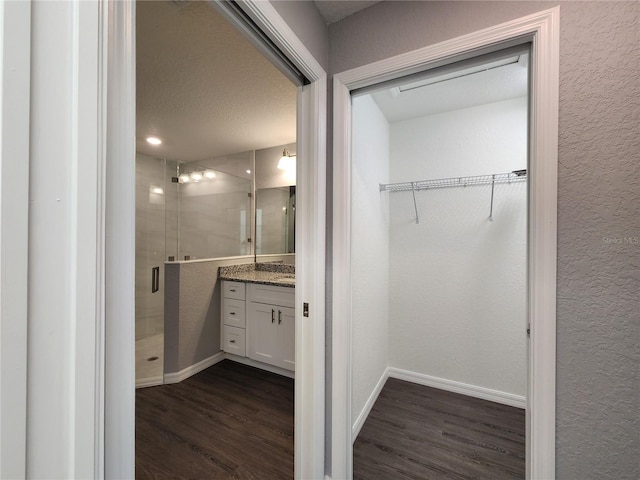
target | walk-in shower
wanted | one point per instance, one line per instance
(184, 211)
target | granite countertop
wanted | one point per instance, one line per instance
(277, 274)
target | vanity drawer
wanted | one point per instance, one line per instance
(233, 340)
(233, 290)
(233, 312)
(273, 295)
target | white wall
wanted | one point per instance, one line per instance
(370, 251)
(457, 280)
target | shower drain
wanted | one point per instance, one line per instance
(151, 359)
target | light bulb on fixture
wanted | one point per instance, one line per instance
(249, 172)
(153, 140)
(196, 176)
(287, 161)
(184, 178)
(210, 174)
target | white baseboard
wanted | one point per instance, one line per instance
(458, 387)
(260, 365)
(191, 370)
(149, 382)
(357, 426)
(183, 374)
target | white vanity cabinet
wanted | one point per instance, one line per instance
(234, 318)
(258, 322)
(271, 325)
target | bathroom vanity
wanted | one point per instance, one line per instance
(258, 315)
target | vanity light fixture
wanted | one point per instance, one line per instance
(154, 140)
(287, 161)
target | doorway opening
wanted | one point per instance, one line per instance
(438, 265)
(117, 431)
(540, 30)
(214, 117)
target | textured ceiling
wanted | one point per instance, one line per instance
(203, 88)
(502, 83)
(334, 11)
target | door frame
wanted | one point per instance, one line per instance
(15, 83)
(542, 31)
(117, 417)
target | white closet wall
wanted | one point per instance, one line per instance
(370, 247)
(457, 308)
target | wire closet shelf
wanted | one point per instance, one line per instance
(413, 187)
(510, 177)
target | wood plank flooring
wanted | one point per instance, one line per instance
(230, 421)
(418, 432)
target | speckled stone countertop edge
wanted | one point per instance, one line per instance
(261, 273)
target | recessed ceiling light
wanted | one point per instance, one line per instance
(154, 140)
(249, 171)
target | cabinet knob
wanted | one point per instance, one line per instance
(232, 313)
(232, 341)
(232, 289)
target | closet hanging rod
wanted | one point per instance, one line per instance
(510, 177)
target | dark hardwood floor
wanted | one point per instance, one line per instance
(230, 421)
(417, 432)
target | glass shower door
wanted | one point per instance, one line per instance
(154, 200)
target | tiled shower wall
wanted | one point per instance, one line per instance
(215, 218)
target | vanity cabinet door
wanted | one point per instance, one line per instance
(271, 334)
(263, 333)
(288, 338)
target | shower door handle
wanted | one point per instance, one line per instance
(155, 279)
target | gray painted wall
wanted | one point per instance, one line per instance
(307, 24)
(192, 313)
(598, 392)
